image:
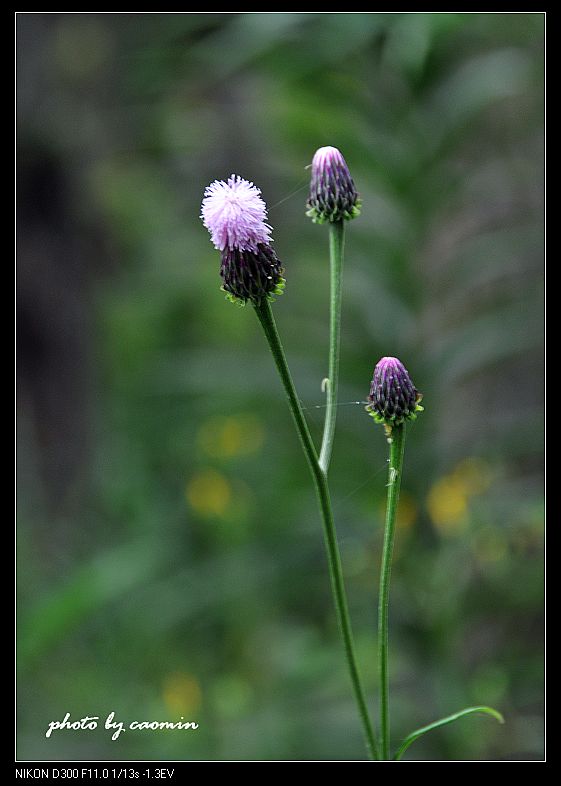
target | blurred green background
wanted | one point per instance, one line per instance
(170, 551)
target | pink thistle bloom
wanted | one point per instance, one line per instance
(235, 215)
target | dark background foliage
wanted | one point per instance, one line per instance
(170, 551)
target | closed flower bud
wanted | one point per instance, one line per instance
(333, 196)
(393, 397)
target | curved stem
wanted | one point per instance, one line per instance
(265, 316)
(336, 249)
(397, 445)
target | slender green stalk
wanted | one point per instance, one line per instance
(336, 250)
(397, 445)
(265, 316)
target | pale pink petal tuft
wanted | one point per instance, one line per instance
(235, 215)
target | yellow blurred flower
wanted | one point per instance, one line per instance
(233, 435)
(447, 501)
(209, 493)
(447, 505)
(182, 693)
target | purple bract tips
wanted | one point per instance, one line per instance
(234, 213)
(393, 397)
(333, 196)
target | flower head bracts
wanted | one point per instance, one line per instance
(333, 195)
(393, 397)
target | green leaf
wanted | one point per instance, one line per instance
(442, 722)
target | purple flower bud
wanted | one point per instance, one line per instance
(333, 195)
(234, 213)
(393, 397)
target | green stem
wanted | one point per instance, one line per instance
(265, 316)
(336, 249)
(397, 445)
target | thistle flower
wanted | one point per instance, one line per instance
(235, 215)
(333, 195)
(393, 397)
